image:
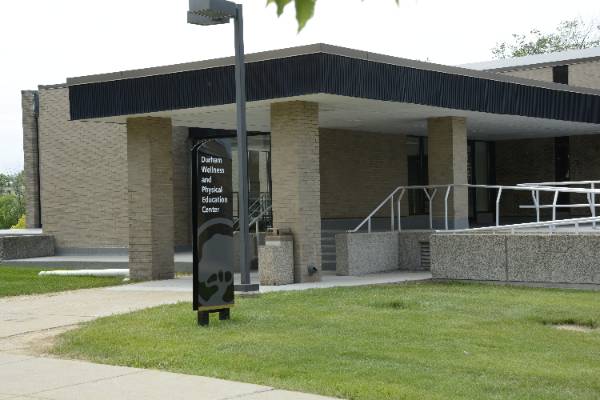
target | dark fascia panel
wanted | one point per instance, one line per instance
(331, 74)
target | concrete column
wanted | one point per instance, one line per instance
(296, 181)
(447, 161)
(150, 189)
(30, 106)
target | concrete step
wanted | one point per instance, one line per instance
(328, 250)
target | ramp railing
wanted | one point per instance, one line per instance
(394, 200)
(576, 223)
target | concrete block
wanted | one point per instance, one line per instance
(468, 256)
(366, 253)
(554, 258)
(276, 261)
(26, 246)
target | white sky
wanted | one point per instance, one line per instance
(44, 42)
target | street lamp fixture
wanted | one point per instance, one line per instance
(211, 12)
(215, 12)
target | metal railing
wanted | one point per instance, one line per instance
(257, 210)
(255, 221)
(591, 197)
(395, 197)
(551, 225)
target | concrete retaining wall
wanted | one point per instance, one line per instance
(540, 258)
(26, 246)
(366, 253)
(409, 249)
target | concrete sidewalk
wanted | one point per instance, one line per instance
(23, 377)
(29, 324)
(26, 321)
(328, 280)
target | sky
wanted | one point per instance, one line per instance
(44, 42)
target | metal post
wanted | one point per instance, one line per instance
(537, 197)
(593, 186)
(554, 205)
(399, 209)
(498, 206)
(240, 101)
(430, 198)
(194, 177)
(392, 212)
(446, 207)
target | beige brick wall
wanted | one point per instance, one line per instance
(521, 161)
(83, 168)
(30, 158)
(84, 177)
(585, 74)
(358, 170)
(540, 74)
(150, 198)
(296, 180)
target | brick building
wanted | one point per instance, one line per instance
(333, 131)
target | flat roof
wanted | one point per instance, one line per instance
(537, 60)
(323, 69)
(322, 48)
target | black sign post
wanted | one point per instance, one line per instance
(212, 215)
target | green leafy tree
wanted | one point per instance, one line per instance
(305, 9)
(5, 182)
(571, 34)
(12, 199)
(18, 185)
(11, 209)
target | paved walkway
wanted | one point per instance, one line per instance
(28, 325)
(328, 280)
(23, 377)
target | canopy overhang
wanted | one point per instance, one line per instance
(355, 90)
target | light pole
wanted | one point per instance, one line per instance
(215, 12)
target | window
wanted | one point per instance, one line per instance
(560, 74)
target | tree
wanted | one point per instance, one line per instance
(12, 199)
(18, 184)
(305, 9)
(571, 34)
(5, 182)
(11, 209)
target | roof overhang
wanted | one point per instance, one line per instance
(379, 93)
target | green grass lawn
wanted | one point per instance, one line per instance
(16, 281)
(416, 341)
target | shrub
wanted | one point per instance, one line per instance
(21, 224)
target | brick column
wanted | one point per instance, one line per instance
(150, 187)
(447, 161)
(296, 181)
(30, 105)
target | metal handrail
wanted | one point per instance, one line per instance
(590, 196)
(432, 190)
(261, 205)
(577, 222)
(561, 183)
(257, 219)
